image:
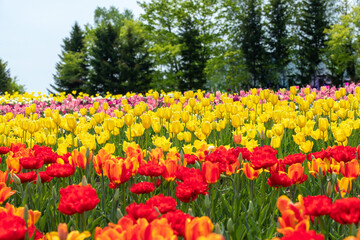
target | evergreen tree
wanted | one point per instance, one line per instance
(252, 43)
(71, 71)
(104, 61)
(134, 59)
(277, 39)
(5, 79)
(312, 23)
(193, 57)
(8, 84)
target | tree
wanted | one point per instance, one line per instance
(251, 41)
(343, 40)
(312, 23)
(161, 18)
(5, 78)
(278, 39)
(104, 61)
(193, 59)
(71, 71)
(134, 59)
(112, 16)
(7, 83)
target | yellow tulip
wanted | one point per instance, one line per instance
(185, 116)
(301, 121)
(323, 124)
(128, 119)
(293, 90)
(71, 122)
(156, 127)
(146, 120)
(187, 137)
(206, 128)
(307, 146)
(275, 142)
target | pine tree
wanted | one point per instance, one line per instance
(104, 61)
(71, 71)
(136, 66)
(278, 42)
(313, 22)
(5, 79)
(193, 57)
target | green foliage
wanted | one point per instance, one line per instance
(193, 58)
(278, 39)
(252, 42)
(312, 23)
(7, 83)
(104, 58)
(135, 63)
(71, 71)
(341, 47)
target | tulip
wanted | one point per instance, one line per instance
(206, 128)
(146, 120)
(128, 119)
(210, 171)
(237, 139)
(307, 146)
(5, 192)
(296, 173)
(250, 172)
(343, 186)
(198, 227)
(301, 121)
(71, 122)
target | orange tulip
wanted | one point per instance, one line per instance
(5, 192)
(350, 169)
(33, 217)
(156, 156)
(237, 139)
(117, 171)
(160, 229)
(13, 163)
(171, 167)
(343, 186)
(79, 158)
(62, 234)
(210, 171)
(292, 215)
(316, 165)
(250, 172)
(212, 236)
(100, 159)
(296, 173)
(198, 227)
(3, 176)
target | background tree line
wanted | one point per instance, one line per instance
(213, 44)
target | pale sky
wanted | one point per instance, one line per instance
(32, 32)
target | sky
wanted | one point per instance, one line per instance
(32, 32)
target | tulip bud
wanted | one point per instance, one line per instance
(328, 189)
(207, 202)
(229, 225)
(251, 207)
(116, 195)
(119, 213)
(217, 229)
(190, 212)
(26, 213)
(16, 179)
(38, 180)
